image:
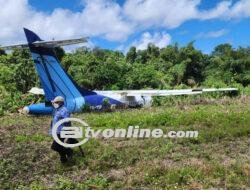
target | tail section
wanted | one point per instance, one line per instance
(54, 80)
(31, 36)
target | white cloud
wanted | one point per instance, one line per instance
(226, 10)
(239, 10)
(212, 34)
(217, 12)
(98, 18)
(158, 39)
(105, 17)
(166, 13)
(172, 13)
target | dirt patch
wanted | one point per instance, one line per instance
(119, 174)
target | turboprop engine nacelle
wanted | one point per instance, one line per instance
(37, 109)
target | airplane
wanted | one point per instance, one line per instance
(55, 81)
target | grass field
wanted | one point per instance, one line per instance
(218, 159)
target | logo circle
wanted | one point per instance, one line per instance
(60, 122)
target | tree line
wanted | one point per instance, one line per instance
(153, 68)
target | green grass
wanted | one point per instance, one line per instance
(218, 158)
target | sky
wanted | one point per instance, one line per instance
(120, 24)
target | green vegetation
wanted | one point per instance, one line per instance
(217, 159)
(153, 68)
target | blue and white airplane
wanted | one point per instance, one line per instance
(56, 82)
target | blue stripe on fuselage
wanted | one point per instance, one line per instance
(96, 100)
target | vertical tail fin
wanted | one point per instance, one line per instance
(31, 36)
(54, 80)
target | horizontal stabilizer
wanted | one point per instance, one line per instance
(37, 91)
(14, 46)
(48, 44)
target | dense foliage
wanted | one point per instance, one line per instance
(153, 68)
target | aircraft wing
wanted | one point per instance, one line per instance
(40, 91)
(48, 44)
(164, 92)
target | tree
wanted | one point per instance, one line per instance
(153, 51)
(142, 56)
(223, 50)
(131, 55)
(24, 76)
(194, 63)
(59, 53)
(2, 52)
(170, 53)
(142, 76)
